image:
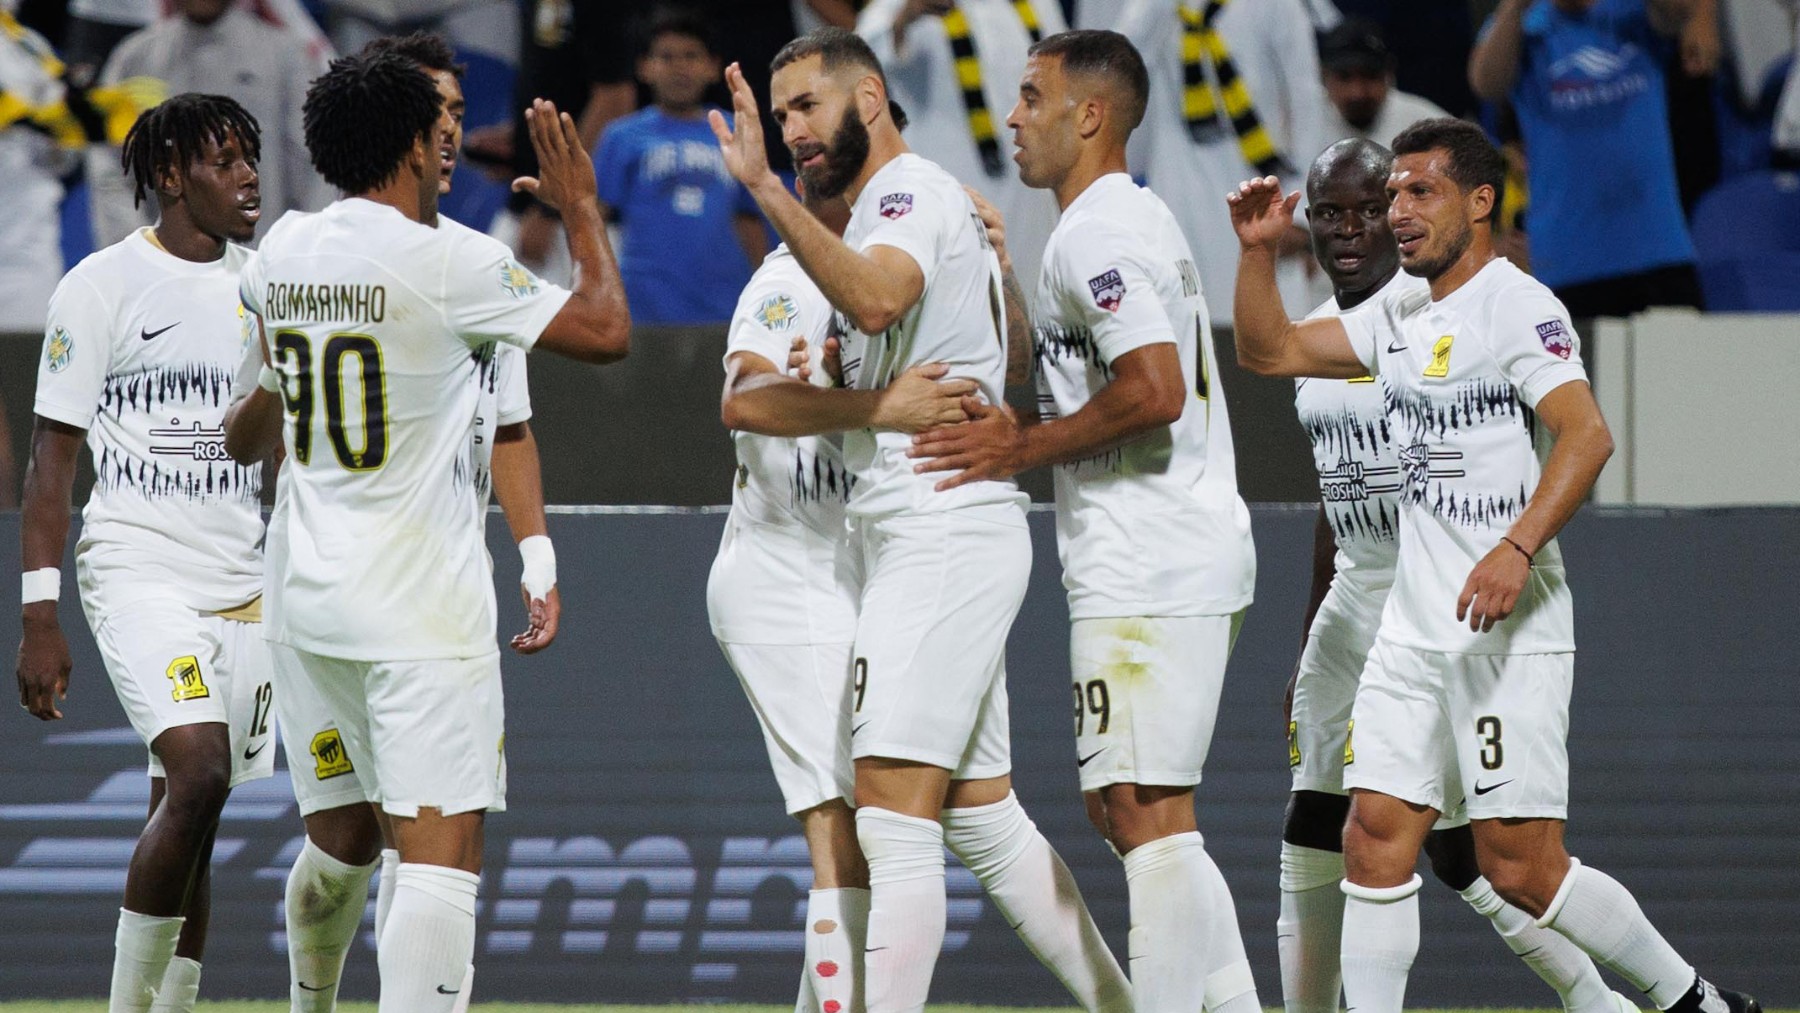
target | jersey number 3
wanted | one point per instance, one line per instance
(294, 352)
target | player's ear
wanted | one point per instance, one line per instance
(1482, 203)
(1090, 116)
(170, 184)
(871, 98)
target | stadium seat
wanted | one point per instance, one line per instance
(1747, 234)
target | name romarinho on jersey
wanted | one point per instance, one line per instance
(326, 303)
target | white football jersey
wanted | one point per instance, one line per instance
(1463, 375)
(140, 349)
(1154, 527)
(786, 572)
(503, 398)
(372, 320)
(916, 207)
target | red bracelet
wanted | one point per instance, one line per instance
(1528, 560)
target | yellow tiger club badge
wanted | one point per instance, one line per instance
(1293, 744)
(329, 758)
(1349, 743)
(1440, 357)
(184, 672)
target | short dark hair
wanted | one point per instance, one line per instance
(363, 115)
(836, 48)
(677, 21)
(1106, 55)
(427, 49)
(1473, 161)
(173, 134)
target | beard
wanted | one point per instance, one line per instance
(844, 158)
(1428, 266)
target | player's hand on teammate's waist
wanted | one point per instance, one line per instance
(44, 666)
(985, 448)
(1493, 587)
(922, 398)
(565, 172)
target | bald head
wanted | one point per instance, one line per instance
(1347, 205)
(1351, 161)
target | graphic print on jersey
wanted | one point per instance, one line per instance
(177, 392)
(1350, 487)
(1430, 475)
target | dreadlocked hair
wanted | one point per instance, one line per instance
(364, 114)
(427, 49)
(173, 134)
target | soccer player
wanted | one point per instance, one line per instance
(328, 884)
(367, 297)
(1354, 448)
(1465, 695)
(139, 354)
(917, 290)
(1155, 542)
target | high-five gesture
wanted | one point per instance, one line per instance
(1259, 214)
(565, 172)
(742, 142)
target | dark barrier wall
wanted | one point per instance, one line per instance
(647, 430)
(645, 856)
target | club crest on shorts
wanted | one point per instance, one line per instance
(58, 350)
(1556, 338)
(896, 205)
(1108, 289)
(329, 758)
(517, 281)
(189, 684)
(777, 313)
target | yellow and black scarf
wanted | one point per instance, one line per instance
(70, 116)
(968, 78)
(1202, 43)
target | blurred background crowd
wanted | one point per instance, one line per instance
(1653, 143)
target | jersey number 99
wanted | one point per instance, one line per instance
(293, 351)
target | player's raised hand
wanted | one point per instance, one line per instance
(1259, 214)
(742, 141)
(986, 447)
(565, 172)
(44, 666)
(543, 615)
(1493, 587)
(921, 399)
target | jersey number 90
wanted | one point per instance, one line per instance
(293, 351)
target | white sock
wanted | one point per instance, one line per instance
(1037, 896)
(324, 908)
(837, 923)
(429, 938)
(1561, 963)
(1309, 930)
(468, 989)
(384, 888)
(906, 908)
(1600, 916)
(1230, 988)
(807, 1002)
(180, 987)
(1171, 933)
(142, 949)
(1381, 938)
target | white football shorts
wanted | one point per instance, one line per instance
(1147, 696)
(802, 696)
(433, 731)
(1485, 733)
(319, 763)
(929, 670)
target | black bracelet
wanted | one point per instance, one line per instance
(1528, 560)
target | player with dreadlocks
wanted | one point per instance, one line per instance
(139, 351)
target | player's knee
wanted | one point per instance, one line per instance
(197, 794)
(1315, 819)
(1522, 884)
(1452, 854)
(349, 833)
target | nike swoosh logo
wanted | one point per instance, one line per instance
(448, 991)
(1084, 760)
(874, 949)
(1479, 790)
(859, 728)
(1392, 348)
(147, 335)
(310, 988)
(251, 754)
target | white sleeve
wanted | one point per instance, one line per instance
(1364, 328)
(769, 316)
(513, 387)
(916, 221)
(77, 353)
(250, 363)
(1107, 283)
(489, 296)
(1535, 345)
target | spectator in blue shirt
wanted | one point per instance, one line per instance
(1585, 78)
(690, 234)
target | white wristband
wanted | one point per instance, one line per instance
(41, 585)
(539, 557)
(268, 379)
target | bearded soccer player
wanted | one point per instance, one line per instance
(1465, 696)
(917, 290)
(1155, 542)
(139, 354)
(328, 883)
(1354, 448)
(386, 593)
